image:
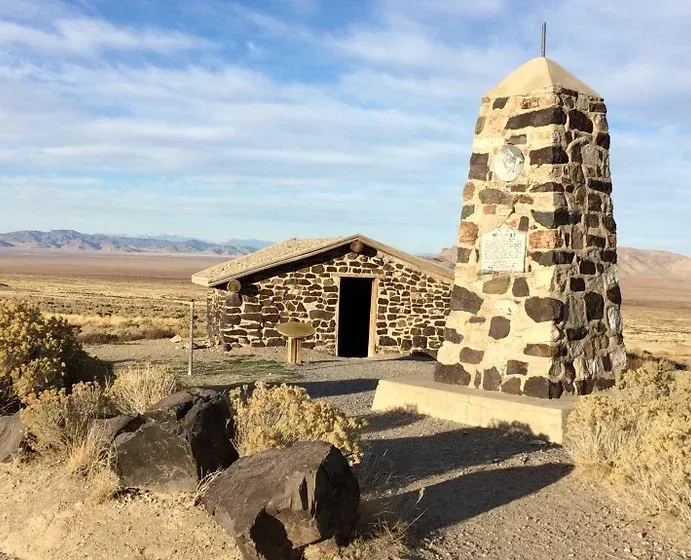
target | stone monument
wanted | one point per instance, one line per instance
(535, 303)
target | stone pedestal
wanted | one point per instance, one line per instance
(535, 305)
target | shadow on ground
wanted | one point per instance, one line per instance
(317, 389)
(416, 356)
(452, 501)
(408, 459)
(470, 459)
(391, 419)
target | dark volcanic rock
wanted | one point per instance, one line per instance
(180, 440)
(479, 166)
(577, 284)
(498, 285)
(580, 121)
(548, 155)
(177, 405)
(11, 436)
(553, 220)
(110, 428)
(544, 309)
(516, 367)
(463, 255)
(454, 374)
(491, 379)
(594, 306)
(520, 288)
(468, 210)
(541, 117)
(512, 386)
(276, 503)
(614, 295)
(551, 258)
(453, 336)
(495, 196)
(542, 388)
(465, 300)
(542, 350)
(470, 355)
(499, 327)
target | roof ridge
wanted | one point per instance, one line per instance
(295, 249)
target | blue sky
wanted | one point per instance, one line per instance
(281, 118)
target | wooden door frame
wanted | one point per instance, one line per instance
(372, 341)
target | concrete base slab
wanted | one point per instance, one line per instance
(544, 418)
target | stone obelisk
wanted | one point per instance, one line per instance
(535, 303)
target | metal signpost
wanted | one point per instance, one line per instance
(191, 353)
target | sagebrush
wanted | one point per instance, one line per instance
(93, 457)
(638, 437)
(36, 353)
(140, 386)
(279, 416)
(57, 421)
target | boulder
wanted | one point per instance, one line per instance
(110, 428)
(177, 405)
(277, 503)
(11, 436)
(176, 443)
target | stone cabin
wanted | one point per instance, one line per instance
(362, 297)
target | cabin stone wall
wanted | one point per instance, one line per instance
(411, 306)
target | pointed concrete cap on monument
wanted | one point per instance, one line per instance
(539, 74)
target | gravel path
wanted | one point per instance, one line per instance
(471, 492)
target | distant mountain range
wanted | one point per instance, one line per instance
(69, 240)
(632, 262)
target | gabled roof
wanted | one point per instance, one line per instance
(538, 74)
(295, 249)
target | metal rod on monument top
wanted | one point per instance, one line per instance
(543, 44)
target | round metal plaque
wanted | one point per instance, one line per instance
(508, 163)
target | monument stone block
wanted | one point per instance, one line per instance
(536, 296)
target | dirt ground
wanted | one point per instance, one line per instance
(46, 515)
(468, 492)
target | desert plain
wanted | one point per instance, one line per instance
(135, 296)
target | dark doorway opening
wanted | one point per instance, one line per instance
(354, 307)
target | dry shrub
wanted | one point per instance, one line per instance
(638, 437)
(140, 386)
(279, 416)
(381, 541)
(104, 329)
(36, 353)
(203, 487)
(56, 421)
(93, 457)
(86, 453)
(103, 484)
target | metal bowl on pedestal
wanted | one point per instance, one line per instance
(295, 331)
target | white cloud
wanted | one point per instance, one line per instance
(86, 36)
(363, 126)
